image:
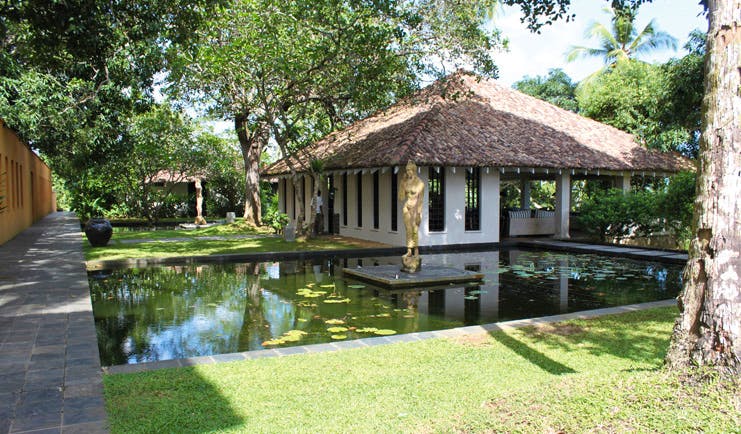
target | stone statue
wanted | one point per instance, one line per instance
(411, 192)
(199, 204)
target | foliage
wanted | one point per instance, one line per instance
(557, 89)
(164, 151)
(659, 104)
(322, 64)
(73, 73)
(273, 217)
(622, 41)
(577, 376)
(676, 205)
(613, 214)
(224, 174)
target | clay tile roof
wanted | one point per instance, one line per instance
(466, 121)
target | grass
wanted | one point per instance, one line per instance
(600, 375)
(153, 243)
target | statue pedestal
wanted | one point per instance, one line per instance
(411, 263)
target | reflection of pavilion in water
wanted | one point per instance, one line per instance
(499, 297)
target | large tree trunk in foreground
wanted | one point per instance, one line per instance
(708, 332)
(251, 143)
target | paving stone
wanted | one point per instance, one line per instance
(35, 422)
(289, 351)
(321, 348)
(99, 427)
(83, 410)
(230, 357)
(45, 324)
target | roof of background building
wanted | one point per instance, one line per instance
(466, 121)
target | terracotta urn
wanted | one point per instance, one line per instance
(98, 231)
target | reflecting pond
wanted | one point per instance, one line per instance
(170, 312)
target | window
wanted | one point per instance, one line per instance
(359, 197)
(436, 205)
(473, 190)
(344, 199)
(394, 202)
(375, 200)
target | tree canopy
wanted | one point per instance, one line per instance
(292, 72)
(622, 41)
(557, 88)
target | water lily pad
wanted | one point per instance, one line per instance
(336, 300)
(385, 332)
(334, 321)
(367, 330)
(470, 297)
(212, 304)
(272, 342)
(383, 315)
(338, 337)
(331, 285)
(295, 333)
(337, 329)
(356, 286)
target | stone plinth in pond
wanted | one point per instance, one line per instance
(390, 276)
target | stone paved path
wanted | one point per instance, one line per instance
(50, 374)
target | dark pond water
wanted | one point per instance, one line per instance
(171, 312)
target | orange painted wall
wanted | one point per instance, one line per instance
(25, 186)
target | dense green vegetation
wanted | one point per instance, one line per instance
(614, 215)
(578, 376)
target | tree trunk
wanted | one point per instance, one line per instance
(251, 143)
(298, 188)
(708, 332)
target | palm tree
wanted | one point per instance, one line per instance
(622, 41)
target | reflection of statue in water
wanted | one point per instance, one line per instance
(411, 191)
(199, 204)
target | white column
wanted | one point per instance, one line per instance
(623, 183)
(563, 205)
(525, 193)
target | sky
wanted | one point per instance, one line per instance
(533, 54)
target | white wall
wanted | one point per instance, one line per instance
(454, 232)
(383, 234)
(455, 208)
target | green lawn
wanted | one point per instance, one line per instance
(600, 375)
(191, 245)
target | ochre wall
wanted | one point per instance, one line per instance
(25, 186)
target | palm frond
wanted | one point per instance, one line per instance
(651, 39)
(577, 52)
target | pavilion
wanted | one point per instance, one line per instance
(467, 135)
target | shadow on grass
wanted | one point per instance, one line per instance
(211, 247)
(170, 400)
(531, 355)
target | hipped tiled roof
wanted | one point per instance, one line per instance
(466, 121)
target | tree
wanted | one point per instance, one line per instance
(292, 72)
(556, 88)
(659, 104)
(622, 41)
(708, 331)
(163, 146)
(72, 73)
